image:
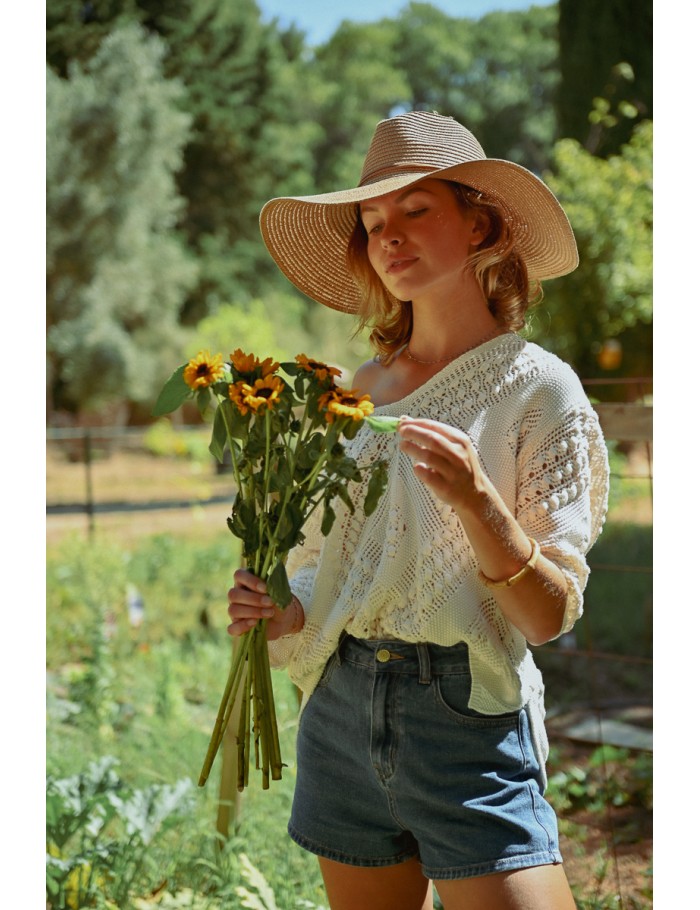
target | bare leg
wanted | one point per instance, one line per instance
(376, 888)
(537, 888)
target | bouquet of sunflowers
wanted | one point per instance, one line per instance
(285, 439)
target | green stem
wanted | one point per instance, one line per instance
(229, 437)
(226, 705)
(269, 696)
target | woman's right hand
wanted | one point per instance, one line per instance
(249, 602)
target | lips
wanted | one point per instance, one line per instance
(394, 266)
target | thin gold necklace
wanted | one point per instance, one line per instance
(491, 334)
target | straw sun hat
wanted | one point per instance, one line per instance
(308, 235)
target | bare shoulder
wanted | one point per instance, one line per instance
(367, 377)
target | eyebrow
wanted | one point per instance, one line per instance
(400, 198)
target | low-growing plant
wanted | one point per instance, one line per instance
(611, 777)
(97, 832)
(164, 440)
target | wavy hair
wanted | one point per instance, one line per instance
(496, 264)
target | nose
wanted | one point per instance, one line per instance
(392, 236)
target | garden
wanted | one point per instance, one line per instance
(137, 653)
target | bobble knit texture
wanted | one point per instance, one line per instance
(408, 571)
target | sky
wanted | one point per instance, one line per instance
(320, 18)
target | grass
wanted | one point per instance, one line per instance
(143, 689)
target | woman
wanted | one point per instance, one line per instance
(421, 744)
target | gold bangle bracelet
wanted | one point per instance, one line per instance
(514, 579)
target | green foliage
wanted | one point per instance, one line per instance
(364, 57)
(620, 626)
(167, 679)
(162, 439)
(606, 64)
(97, 832)
(611, 777)
(609, 203)
(498, 75)
(249, 141)
(117, 272)
(162, 149)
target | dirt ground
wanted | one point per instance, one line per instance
(606, 854)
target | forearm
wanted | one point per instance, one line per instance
(535, 604)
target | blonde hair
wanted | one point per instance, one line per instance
(496, 264)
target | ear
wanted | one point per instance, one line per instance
(479, 226)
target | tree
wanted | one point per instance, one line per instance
(596, 37)
(117, 270)
(247, 143)
(355, 81)
(497, 75)
(243, 85)
(609, 296)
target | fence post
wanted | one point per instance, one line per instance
(89, 498)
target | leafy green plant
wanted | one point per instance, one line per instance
(164, 440)
(97, 832)
(611, 777)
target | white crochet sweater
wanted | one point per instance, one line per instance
(408, 571)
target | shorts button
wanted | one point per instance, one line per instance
(383, 655)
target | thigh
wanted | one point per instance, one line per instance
(534, 888)
(376, 888)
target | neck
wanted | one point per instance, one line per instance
(438, 337)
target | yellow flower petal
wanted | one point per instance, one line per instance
(203, 370)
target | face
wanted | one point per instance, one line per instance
(419, 240)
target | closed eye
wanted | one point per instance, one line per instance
(416, 213)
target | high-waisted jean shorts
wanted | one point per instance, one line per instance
(393, 764)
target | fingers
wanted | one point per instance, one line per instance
(444, 458)
(248, 602)
(435, 446)
(431, 433)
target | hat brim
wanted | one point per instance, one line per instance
(308, 236)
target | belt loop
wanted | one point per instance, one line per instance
(423, 663)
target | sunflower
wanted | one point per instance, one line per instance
(264, 393)
(247, 364)
(340, 403)
(203, 370)
(321, 370)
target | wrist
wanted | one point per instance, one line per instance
(297, 616)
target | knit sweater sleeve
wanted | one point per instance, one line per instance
(563, 483)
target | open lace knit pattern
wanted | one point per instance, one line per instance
(408, 571)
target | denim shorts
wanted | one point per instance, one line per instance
(393, 764)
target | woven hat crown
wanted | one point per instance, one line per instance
(418, 141)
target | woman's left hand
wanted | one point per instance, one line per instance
(445, 459)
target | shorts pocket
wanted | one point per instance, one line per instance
(452, 692)
(332, 664)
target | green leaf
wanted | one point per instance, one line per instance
(382, 423)
(173, 394)
(328, 519)
(203, 397)
(278, 586)
(376, 487)
(342, 493)
(219, 438)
